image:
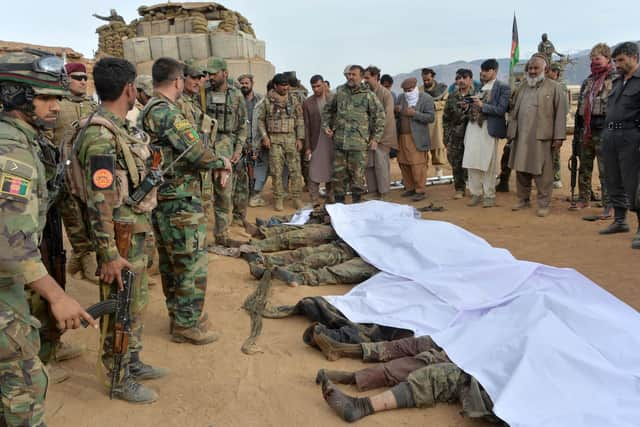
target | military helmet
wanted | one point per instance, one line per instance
(40, 71)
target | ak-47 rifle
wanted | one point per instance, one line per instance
(574, 160)
(118, 304)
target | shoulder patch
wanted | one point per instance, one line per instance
(182, 124)
(102, 172)
(15, 187)
(16, 168)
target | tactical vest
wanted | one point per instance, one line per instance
(134, 152)
(599, 102)
(280, 118)
(218, 105)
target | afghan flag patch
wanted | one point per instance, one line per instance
(11, 185)
(191, 136)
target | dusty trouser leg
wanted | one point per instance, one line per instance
(314, 192)
(387, 374)
(356, 164)
(544, 181)
(523, 185)
(241, 191)
(556, 165)
(276, 165)
(206, 178)
(340, 176)
(596, 140)
(390, 350)
(350, 272)
(292, 158)
(309, 235)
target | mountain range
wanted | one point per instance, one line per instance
(574, 74)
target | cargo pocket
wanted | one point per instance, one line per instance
(188, 232)
(24, 389)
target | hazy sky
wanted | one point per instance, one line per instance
(313, 36)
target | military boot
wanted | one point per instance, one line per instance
(291, 279)
(256, 201)
(203, 322)
(133, 392)
(619, 224)
(332, 349)
(89, 267)
(141, 371)
(57, 373)
(278, 205)
(67, 351)
(193, 335)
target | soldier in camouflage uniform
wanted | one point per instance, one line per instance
(281, 130)
(288, 237)
(297, 90)
(190, 103)
(30, 87)
(72, 108)
(178, 220)
(594, 93)
(455, 121)
(226, 104)
(113, 160)
(355, 119)
(418, 371)
(350, 272)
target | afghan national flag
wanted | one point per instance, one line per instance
(515, 45)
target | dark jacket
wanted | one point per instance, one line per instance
(496, 108)
(425, 114)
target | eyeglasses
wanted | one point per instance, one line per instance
(79, 78)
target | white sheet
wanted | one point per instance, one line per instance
(551, 347)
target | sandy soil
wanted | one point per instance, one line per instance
(217, 385)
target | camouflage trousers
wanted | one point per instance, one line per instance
(139, 300)
(48, 332)
(223, 196)
(286, 237)
(23, 379)
(589, 153)
(447, 383)
(313, 257)
(207, 205)
(557, 176)
(180, 230)
(350, 272)
(401, 357)
(284, 154)
(348, 170)
(75, 224)
(455, 154)
(241, 190)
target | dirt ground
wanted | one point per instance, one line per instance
(217, 385)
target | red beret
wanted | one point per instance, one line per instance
(75, 67)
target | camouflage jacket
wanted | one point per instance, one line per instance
(455, 116)
(229, 109)
(23, 210)
(174, 134)
(599, 102)
(109, 179)
(72, 108)
(278, 119)
(355, 116)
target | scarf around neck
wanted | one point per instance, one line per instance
(598, 75)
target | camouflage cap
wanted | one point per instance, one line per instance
(555, 67)
(45, 74)
(194, 68)
(144, 82)
(215, 65)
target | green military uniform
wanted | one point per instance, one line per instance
(352, 271)
(313, 256)
(280, 119)
(455, 121)
(192, 110)
(286, 237)
(592, 149)
(356, 117)
(178, 220)
(229, 109)
(113, 163)
(73, 108)
(23, 208)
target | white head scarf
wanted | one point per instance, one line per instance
(412, 96)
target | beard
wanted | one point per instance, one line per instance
(245, 90)
(533, 81)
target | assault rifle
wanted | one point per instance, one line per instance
(574, 160)
(118, 304)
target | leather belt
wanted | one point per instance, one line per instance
(621, 125)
